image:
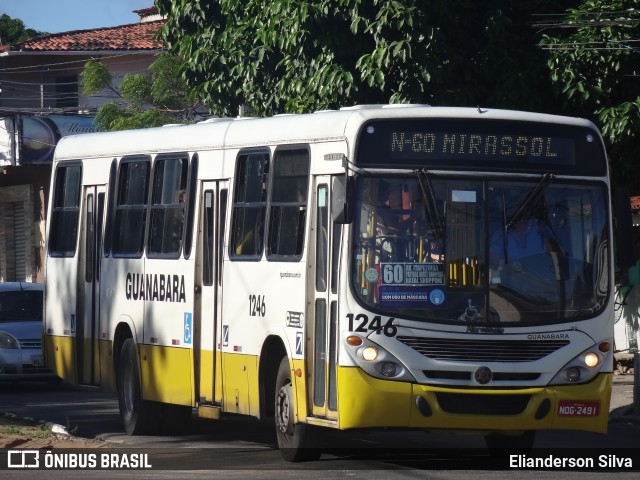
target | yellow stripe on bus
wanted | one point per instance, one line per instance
(167, 374)
(60, 352)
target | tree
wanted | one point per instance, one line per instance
(145, 100)
(594, 56)
(295, 56)
(12, 30)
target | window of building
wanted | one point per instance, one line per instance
(66, 92)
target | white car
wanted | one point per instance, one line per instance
(21, 358)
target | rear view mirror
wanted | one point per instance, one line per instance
(342, 201)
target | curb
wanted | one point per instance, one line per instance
(57, 430)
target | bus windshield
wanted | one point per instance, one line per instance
(466, 250)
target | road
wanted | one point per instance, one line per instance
(240, 447)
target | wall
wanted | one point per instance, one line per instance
(17, 235)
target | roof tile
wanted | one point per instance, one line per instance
(138, 36)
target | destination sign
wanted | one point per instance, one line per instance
(481, 144)
(445, 144)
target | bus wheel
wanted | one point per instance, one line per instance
(137, 414)
(295, 441)
(496, 443)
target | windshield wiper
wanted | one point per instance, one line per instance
(429, 201)
(533, 196)
(524, 207)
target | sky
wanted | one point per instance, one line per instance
(54, 16)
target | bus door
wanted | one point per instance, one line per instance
(208, 334)
(323, 311)
(88, 298)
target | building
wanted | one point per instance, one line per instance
(40, 101)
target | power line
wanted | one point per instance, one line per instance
(40, 67)
(610, 12)
(609, 23)
(595, 49)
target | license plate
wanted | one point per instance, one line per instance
(574, 408)
(37, 360)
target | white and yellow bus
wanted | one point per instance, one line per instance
(342, 269)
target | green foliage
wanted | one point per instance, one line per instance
(95, 77)
(136, 89)
(594, 62)
(295, 56)
(111, 117)
(168, 89)
(12, 31)
(149, 100)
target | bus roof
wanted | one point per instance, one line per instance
(288, 128)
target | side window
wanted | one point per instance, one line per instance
(65, 210)
(191, 205)
(208, 246)
(288, 206)
(108, 229)
(167, 210)
(322, 241)
(249, 205)
(131, 206)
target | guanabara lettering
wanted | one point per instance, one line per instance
(548, 336)
(155, 287)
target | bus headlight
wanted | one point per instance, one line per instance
(370, 353)
(375, 360)
(591, 359)
(572, 374)
(388, 369)
(584, 367)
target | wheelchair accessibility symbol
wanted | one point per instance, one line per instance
(188, 327)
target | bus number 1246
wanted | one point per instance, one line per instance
(257, 306)
(364, 325)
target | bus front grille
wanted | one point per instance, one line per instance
(474, 404)
(480, 350)
(497, 376)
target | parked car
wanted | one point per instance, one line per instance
(21, 358)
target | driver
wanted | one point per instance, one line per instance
(527, 238)
(520, 256)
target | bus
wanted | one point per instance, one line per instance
(344, 269)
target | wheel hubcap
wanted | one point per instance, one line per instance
(283, 409)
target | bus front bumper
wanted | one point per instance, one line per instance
(367, 402)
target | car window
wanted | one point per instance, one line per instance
(20, 305)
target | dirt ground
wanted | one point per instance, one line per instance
(17, 433)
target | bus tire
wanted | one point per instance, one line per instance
(137, 414)
(497, 443)
(297, 442)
